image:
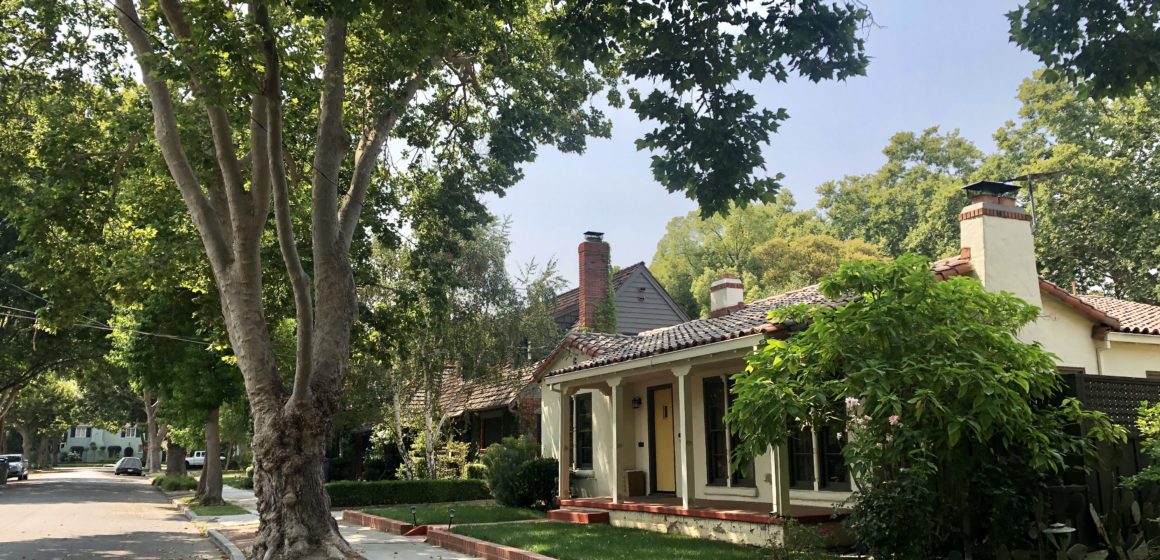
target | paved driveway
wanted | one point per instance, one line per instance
(89, 513)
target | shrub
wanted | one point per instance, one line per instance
(474, 471)
(175, 482)
(536, 482)
(503, 462)
(351, 493)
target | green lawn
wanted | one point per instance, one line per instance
(464, 513)
(234, 480)
(568, 541)
(213, 511)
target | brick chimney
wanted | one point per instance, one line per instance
(594, 263)
(726, 295)
(997, 232)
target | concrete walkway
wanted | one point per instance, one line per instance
(372, 544)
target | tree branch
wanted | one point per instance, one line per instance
(240, 211)
(332, 143)
(370, 145)
(275, 169)
(165, 129)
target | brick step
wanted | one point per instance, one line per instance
(578, 516)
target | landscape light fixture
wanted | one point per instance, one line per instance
(450, 518)
(414, 518)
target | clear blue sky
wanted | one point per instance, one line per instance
(932, 63)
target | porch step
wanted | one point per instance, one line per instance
(578, 516)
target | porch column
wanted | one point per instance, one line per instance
(565, 434)
(615, 404)
(685, 399)
(779, 459)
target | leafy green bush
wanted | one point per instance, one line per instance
(503, 462)
(175, 482)
(474, 471)
(536, 482)
(351, 493)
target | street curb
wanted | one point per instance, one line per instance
(219, 540)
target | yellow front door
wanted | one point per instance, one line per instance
(664, 462)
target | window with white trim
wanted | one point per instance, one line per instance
(816, 461)
(720, 441)
(582, 431)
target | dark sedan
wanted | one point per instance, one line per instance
(128, 465)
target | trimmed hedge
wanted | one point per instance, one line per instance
(175, 482)
(354, 493)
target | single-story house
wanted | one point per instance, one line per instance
(637, 421)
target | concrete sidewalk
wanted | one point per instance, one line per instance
(372, 544)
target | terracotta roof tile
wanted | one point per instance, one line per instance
(1134, 317)
(750, 319)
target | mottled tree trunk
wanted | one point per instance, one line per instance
(209, 486)
(152, 432)
(42, 451)
(175, 459)
(28, 443)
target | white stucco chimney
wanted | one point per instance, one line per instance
(726, 295)
(997, 233)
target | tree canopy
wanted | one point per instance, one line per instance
(1106, 47)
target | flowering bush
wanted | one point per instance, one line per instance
(952, 423)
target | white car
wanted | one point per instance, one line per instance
(197, 460)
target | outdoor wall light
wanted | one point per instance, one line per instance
(636, 402)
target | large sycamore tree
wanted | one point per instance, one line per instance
(339, 109)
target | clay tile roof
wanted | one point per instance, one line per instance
(748, 320)
(570, 300)
(1134, 317)
(958, 265)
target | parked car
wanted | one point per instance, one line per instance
(17, 466)
(128, 465)
(197, 460)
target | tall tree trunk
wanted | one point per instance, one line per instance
(156, 440)
(175, 459)
(400, 439)
(152, 432)
(42, 451)
(229, 456)
(209, 488)
(28, 443)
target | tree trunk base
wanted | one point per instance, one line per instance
(290, 541)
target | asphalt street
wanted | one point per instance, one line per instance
(90, 513)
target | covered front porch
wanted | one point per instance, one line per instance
(650, 438)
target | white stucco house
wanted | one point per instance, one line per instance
(636, 421)
(97, 445)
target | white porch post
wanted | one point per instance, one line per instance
(779, 459)
(565, 441)
(685, 398)
(616, 402)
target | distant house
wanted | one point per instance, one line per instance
(96, 445)
(637, 422)
(484, 411)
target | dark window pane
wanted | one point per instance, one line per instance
(717, 450)
(835, 475)
(583, 428)
(801, 458)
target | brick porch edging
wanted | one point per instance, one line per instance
(475, 547)
(383, 524)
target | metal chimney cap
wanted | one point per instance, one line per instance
(992, 188)
(593, 236)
